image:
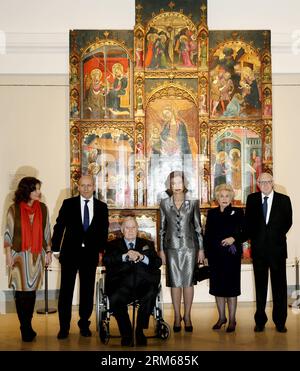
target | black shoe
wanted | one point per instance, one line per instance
(28, 334)
(86, 332)
(259, 328)
(231, 327)
(140, 338)
(281, 329)
(62, 334)
(188, 328)
(177, 328)
(219, 324)
(126, 341)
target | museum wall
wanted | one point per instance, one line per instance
(34, 141)
(34, 90)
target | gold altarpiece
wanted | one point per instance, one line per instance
(169, 95)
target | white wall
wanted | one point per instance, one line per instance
(34, 96)
(36, 32)
(34, 141)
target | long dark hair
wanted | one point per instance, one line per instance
(170, 178)
(25, 187)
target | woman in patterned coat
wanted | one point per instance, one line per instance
(27, 242)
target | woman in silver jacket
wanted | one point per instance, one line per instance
(181, 245)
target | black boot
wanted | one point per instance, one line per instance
(125, 327)
(141, 323)
(25, 301)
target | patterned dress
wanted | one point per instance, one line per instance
(27, 273)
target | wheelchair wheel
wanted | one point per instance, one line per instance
(158, 309)
(97, 306)
(162, 330)
(100, 301)
(104, 330)
(102, 315)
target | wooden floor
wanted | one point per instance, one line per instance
(202, 339)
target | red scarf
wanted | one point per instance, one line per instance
(32, 234)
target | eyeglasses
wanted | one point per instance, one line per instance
(265, 182)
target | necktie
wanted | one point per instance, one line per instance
(265, 207)
(131, 245)
(86, 216)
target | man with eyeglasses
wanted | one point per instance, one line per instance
(268, 219)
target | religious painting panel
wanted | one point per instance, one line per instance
(107, 152)
(171, 144)
(171, 42)
(236, 158)
(237, 77)
(169, 95)
(106, 84)
(101, 73)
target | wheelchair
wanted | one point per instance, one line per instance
(103, 313)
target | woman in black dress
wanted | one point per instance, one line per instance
(223, 247)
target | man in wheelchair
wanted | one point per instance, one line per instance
(132, 274)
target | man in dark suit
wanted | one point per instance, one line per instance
(268, 219)
(132, 272)
(80, 235)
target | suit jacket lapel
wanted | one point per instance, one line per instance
(95, 209)
(274, 207)
(259, 207)
(123, 246)
(78, 211)
(138, 244)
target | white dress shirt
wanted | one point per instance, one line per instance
(90, 205)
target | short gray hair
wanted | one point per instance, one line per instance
(126, 219)
(224, 187)
(264, 174)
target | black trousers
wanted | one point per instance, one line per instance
(86, 294)
(144, 292)
(277, 270)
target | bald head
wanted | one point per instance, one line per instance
(86, 186)
(86, 177)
